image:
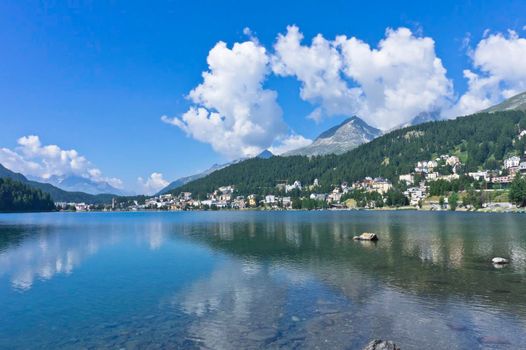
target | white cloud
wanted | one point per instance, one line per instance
(31, 158)
(289, 143)
(499, 72)
(232, 111)
(153, 183)
(318, 67)
(390, 85)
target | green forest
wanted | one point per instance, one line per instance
(18, 197)
(481, 141)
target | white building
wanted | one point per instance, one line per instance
(480, 175)
(286, 202)
(270, 199)
(318, 196)
(415, 194)
(294, 186)
(407, 178)
(512, 162)
(452, 161)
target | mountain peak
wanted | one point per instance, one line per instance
(339, 139)
(266, 154)
(515, 103)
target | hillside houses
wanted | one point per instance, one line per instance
(369, 192)
(378, 184)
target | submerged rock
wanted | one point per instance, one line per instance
(500, 261)
(366, 236)
(379, 344)
(493, 340)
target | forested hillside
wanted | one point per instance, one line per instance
(18, 197)
(480, 141)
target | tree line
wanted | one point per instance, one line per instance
(16, 196)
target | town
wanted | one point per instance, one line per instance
(425, 188)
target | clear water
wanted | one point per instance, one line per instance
(243, 280)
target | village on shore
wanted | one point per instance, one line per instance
(435, 184)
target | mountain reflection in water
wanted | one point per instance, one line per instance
(227, 280)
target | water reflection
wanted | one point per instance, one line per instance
(251, 280)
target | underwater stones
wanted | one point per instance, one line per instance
(379, 344)
(500, 261)
(366, 236)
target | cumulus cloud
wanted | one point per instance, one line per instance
(318, 67)
(153, 183)
(31, 158)
(289, 143)
(399, 80)
(232, 111)
(386, 86)
(499, 72)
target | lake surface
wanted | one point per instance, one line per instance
(252, 280)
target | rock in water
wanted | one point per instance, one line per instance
(500, 261)
(379, 344)
(366, 236)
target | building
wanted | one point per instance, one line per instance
(81, 207)
(480, 175)
(239, 203)
(318, 196)
(335, 195)
(186, 195)
(448, 177)
(452, 161)
(416, 194)
(252, 200)
(432, 176)
(512, 162)
(286, 202)
(407, 178)
(294, 186)
(381, 185)
(502, 179)
(270, 199)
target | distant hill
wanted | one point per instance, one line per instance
(339, 139)
(481, 141)
(186, 179)
(57, 194)
(515, 103)
(81, 184)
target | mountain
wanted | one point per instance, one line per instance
(57, 194)
(266, 154)
(425, 117)
(481, 141)
(515, 103)
(421, 118)
(339, 139)
(81, 184)
(184, 180)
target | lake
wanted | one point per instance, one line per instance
(252, 280)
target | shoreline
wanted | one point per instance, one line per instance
(459, 210)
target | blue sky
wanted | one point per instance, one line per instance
(97, 77)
